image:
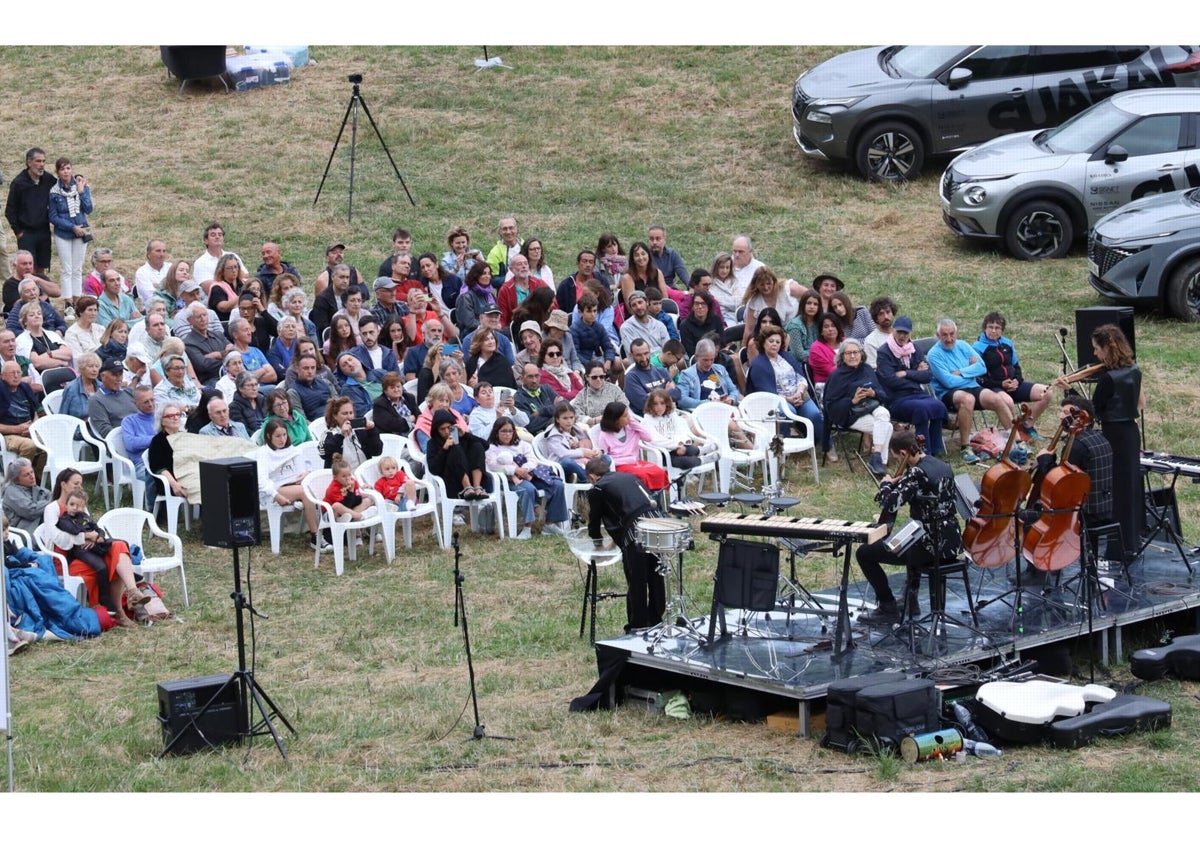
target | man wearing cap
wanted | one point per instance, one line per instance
(530, 337)
(507, 247)
(490, 318)
(640, 325)
(272, 266)
(190, 292)
(112, 401)
(883, 313)
(386, 308)
(372, 355)
(516, 289)
(204, 267)
(335, 256)
(904, 373)
(666, 260)
(330, 299)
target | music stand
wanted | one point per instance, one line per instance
(1160, 512)
(357, 101)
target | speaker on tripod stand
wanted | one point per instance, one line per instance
(229, 488)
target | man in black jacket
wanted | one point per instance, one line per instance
(28, 209)
(618, 501)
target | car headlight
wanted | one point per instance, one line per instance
(975, 195)
(823, 110)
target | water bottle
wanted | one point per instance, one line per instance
(981, 748)
(970, 729)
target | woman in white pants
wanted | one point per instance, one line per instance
(70, 203)
(854, 399)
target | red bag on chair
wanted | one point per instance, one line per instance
(652, 476)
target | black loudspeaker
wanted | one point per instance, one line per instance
(1087, 319)
(229, 489)
(179, 705)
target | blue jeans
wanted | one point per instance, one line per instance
(151, 485)
(556, 502)
(809, 410)
(573, 470)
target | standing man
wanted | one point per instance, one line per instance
(150, 274)
(617, 501)
(956, 367)
(272, 266)
(507, 247)
(28, 210)
(204, 267)
(666, 260)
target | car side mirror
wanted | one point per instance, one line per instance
(959, 77)
(1115, 154)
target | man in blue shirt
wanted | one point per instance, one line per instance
(666, 260)
(272, 266)
(136, 431)
(19, 408)
(956, 368)
(643, 378)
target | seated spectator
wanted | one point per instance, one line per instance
(535, 400)
(253, 359)
(457, 459)
(230, 371)
(84, 335)
(508, 454)
(698, 320)
(112, 401)
(114, 343)
(279, 408)
(592, 340)
(395, 410)
(84, 542)
(856, 321)
(342, 339)
(515, 291)
(93, 284)
(221, 424)
(854, 399)
(170, 291)
(146, 342)
(538, 267)
(113, 303)
(176, 387)
(19, 408)
(476, 297)
(280, 472)
(701, 281)
(620, 436)
(451, 372)
(283, 284)
(307, 389)
(686, 444)
(137, 431)
(555, 373)
(640, 274)
(822, 354)
(767, 290)
(362, 387)
(643, 378)
(802, 329)
(654, 308)
(248, 406)
(883, 313)
(558, 328)
(25, 500)
(206, 349)
(295, 304)
(639, 324)
(487, 411)
(609, 259)
(353, 312)
(1004, 372)
(352, 442)
(461, 257)
(226, 287)
(775, 371)
(30, 292)
(904, 373)
(78, 391)
(598, 392)
(263, 327)
(569, 444)
(766, 316)
(44, 348)
(283, 346)
(536, 308)
(438, 282)
(171, 346)
(486, 362)
(571, 289)
(373, 355)
(705, 379)
(956, 368)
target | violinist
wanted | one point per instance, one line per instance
(1092, 454)
(926, 485)
(1119, 400)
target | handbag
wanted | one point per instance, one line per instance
(863, 408)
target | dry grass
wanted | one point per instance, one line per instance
(369, 666)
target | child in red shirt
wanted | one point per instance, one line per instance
(394, 485)
(345, 495)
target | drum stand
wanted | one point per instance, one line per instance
(675, 624)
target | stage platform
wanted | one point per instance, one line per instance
(773, 662)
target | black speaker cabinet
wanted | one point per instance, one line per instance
(180, 702)
(229, 493)
(1087, 319)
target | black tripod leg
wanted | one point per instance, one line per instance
(386, 150)
(333, 151)
(259, 696)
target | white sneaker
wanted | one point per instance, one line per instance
(554, 529)
(372, 511)
(345, 518)
(523, 534)
(68, 313)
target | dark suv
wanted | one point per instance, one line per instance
(886, 109)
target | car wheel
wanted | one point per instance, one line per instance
(1183, 291)
(890, 152)
(1039, 230)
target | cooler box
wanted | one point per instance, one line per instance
(298, 55)
(243, 72)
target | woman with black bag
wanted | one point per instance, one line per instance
(854, 400)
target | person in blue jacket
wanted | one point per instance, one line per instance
(70, 203)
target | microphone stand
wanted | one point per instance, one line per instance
(1065, 359)
(460, 610)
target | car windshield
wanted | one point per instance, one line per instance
(921, 62)
(1086, 130)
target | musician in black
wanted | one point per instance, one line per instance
(1092, 454)
(927, 487)
(618, 501)
(1119, 400)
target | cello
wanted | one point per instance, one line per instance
(1052, 543)
(991, 535)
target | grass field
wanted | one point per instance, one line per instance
(573, 141)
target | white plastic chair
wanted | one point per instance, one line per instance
(52, 402)
(315, 484)
(393, 445)
(410, 386)
(427, 504)
(123, 470)
(451, 504)
(129, 524)
(572, 489)
(713, 417)
(56, 436)
(317, 428)
(73, 584)
(763, 409)
(275, 512)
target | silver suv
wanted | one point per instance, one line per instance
(1039, 191)
(886, 109)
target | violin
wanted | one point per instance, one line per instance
(1052, 543)
(991, 535)
(1075, 376)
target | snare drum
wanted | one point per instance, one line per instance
(906, 538)
(662, 536)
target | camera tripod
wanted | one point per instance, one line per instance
(356, 100)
